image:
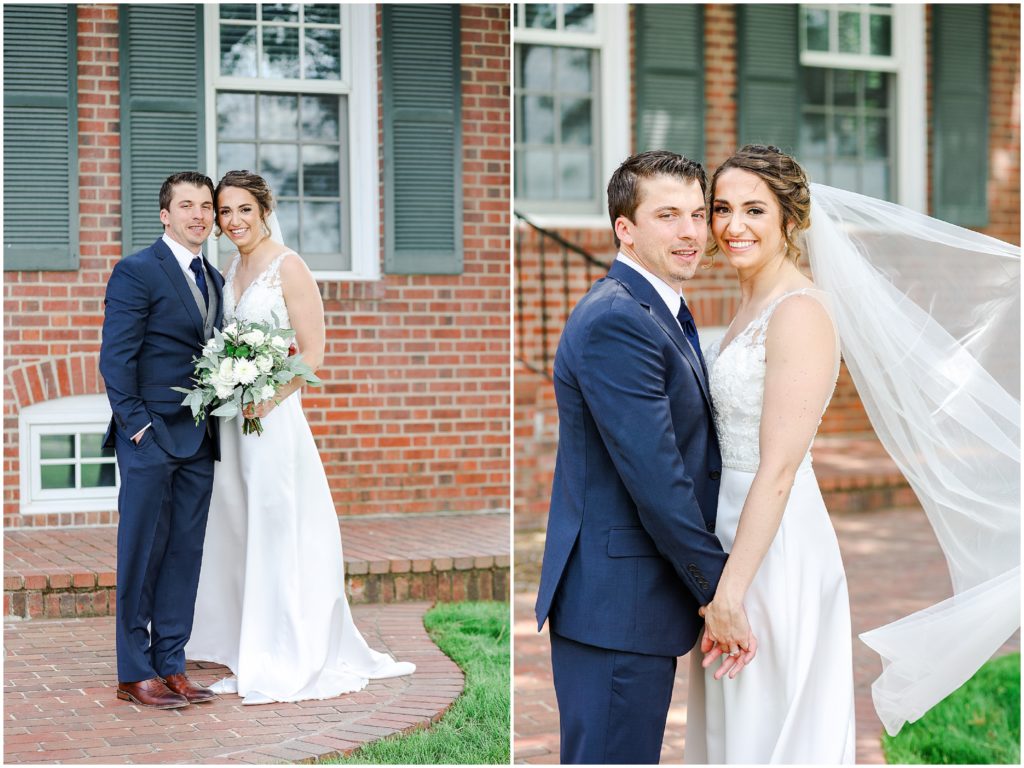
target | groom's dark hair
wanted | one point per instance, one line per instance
(194, 178)
(624, 187)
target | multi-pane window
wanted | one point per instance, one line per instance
(296, 142)
(557, 75)
(70, 461)
(284, 87)
(864, 30)
(847, 131)
(64, 465)
(281, 40)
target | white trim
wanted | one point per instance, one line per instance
(849, 61)
(612, 38)
(67, 415)
(363, 172)
(911, 107)
(359, 83)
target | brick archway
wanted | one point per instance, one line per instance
(50, 378)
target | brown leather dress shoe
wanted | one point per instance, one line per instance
(194, 693)
(151, 693)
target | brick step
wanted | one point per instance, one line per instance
(70, 572)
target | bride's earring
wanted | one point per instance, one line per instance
(266, 229)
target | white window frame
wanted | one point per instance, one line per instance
(611, 38)
(907, 63)
(359, 83)
(78, 414)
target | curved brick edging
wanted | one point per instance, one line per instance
(59, 703)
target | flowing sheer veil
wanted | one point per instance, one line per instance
(929, 320)
(276, 234)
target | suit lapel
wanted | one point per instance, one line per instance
(170, 265)
(644, 293)
(217, 280)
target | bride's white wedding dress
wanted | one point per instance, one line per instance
(271, 603)
(794, 703)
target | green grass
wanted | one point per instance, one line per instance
(476, 728)
(977, 724)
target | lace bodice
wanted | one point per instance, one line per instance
(262, 299)
(736, 379)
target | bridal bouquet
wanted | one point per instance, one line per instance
(243, 363)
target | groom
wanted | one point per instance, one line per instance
(162, 304)
(630, 554)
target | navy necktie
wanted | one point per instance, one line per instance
(690, 330)
(196, 265)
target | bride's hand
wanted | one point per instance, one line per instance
(252, 411)
(726, 622)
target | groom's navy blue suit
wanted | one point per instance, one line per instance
(630, 553)
(152, 328)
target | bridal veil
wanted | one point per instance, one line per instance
(929, 319)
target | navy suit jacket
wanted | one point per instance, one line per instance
(152, 329)
(630, 553)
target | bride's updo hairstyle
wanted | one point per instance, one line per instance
(787, 181)
(255, 185)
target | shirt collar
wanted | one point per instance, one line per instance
(668, 294)
(181, 253)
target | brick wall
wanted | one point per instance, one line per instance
(52, 319)
(1004, 123)
(414, 413)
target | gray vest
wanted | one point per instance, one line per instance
(209, 315)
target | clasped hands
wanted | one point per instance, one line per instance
(726, 634)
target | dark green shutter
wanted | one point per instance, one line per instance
(768, 65)
(670, 79)
(960, 68)
(422, 140)
(162, 92)
(40, 137)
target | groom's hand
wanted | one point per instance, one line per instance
(713, 649)
(732, 665)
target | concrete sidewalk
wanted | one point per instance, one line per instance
(894, 567)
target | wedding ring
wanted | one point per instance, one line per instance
(734, 653)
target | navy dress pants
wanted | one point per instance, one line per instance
(612, 705)
(163, 506)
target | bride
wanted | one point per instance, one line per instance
(271, 603)
(941, 407)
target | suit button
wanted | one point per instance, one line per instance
(714, 474)
(710, 527)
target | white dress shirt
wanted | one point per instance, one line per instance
(672, 299)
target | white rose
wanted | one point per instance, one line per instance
(265, 363)
(230, 330)
(267, 393)
(226, 373)
(245, 371)
(224, 391)
(280, 343)
(253, 338)
(211, 348)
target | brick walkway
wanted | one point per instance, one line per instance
(69, 572)
(59, 702)
(894, 566)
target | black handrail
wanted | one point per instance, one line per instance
(543, 366)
